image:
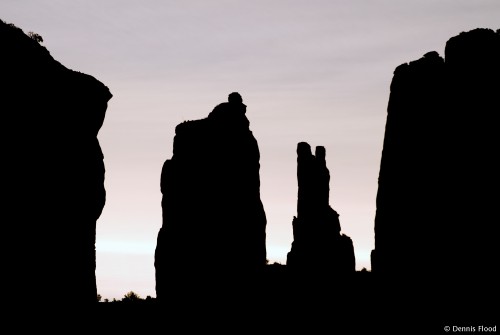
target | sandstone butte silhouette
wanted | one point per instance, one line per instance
(436, 230)
(53, 173)
(318, 249)
(214, 224)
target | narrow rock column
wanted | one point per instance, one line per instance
(318, 247)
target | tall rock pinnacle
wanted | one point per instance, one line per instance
(214, 224)
(318, 246)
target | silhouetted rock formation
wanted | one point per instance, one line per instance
(53, 172)
(436, 209)
(214, 224)
(318, 246)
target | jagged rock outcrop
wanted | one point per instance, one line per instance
(318, 247)
(214, 224)
(436, 205)
(53, 172)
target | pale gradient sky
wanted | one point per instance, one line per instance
(308, 70)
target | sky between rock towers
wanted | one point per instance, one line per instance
(313, 71)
